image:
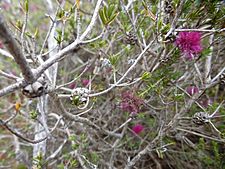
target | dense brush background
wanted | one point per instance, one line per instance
(170, 139)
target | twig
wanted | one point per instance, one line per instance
(218, 75)
(23, 32)
(200, 30)
(70, 47)
(2, 123)
(177, 14)
(5, 53)
(208, 62)
(201, 135)
(9, 76)
(125, 74)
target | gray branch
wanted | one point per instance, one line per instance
(15, 50)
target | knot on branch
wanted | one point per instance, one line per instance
(222, 78)
(36, 89)
(131, 38)
(80, 96)
(102, 65)
(169, 7)
(201, 118)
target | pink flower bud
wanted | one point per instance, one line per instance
(138, 128)
(1, 45)
(85, 82)
(5, 6)
(206, 102)
(72, 85)
(191, 90)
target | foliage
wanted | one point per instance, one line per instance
(130, 93)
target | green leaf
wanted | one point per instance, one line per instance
(74, 163)
(33, 115)
(144, 5)
(73, 138)
(160, 24)
(178, 97)
(21, 166)
(61, 13)
(206, 52)
(159, 153)
(26, 3)
(110, 10)
(107, 15)
(75, 146)
(114, 59)
(19, 25)
(146, 76)
(76, 100)
(36, 33)
(29, 34)
(102, 16)
(58, 38)
(165, 28)
(112, 18)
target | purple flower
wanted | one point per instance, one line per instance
(206, 102)
(1, 45)
(85, 82)
(137, 128)
(130, 103)
(5, 6)
(189, 43)
(72, 85)
(191, 90)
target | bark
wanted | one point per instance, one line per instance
(43, 106)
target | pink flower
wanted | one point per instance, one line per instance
(33, 7)
(1, 45)
(189, 43)
(191, 90)
(72, 85)
(108, 70)
(137, 128)
(206, 102)
(5, 6)
(85, 82)
(130, 103)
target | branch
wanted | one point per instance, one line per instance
(76, 118)
(125, 74)
(70, 47)
(21, 61)
(201, 135)
(12, 88)
(208, 62)
(9, 76)
(2, 123)
(146, 150)
(178, 12)
(200, 30)
(5, 53)
(14, 49)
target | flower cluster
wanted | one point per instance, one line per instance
(137, 128)
(130, 103)
(189, 43)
